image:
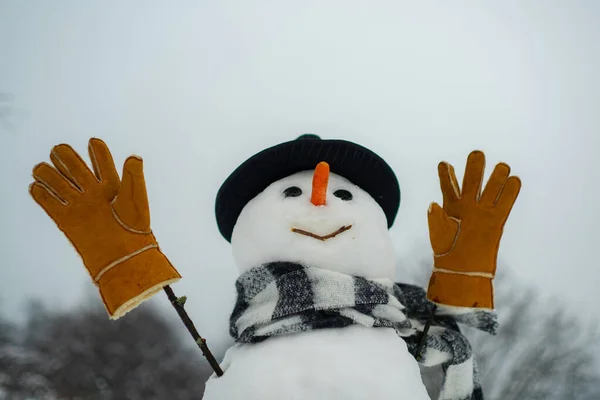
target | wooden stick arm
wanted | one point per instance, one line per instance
(178, 304)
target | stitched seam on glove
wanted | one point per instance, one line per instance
(447, 271)
(123, 259)
(97, 169)
(70, 176)
(44, 185)
(123, 224)
(459, 222)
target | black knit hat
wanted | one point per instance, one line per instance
(358, 164)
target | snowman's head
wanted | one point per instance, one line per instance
(318, 219)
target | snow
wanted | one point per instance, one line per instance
(263, 231)
(349, 363)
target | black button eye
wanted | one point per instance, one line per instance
(292, 191)
(343, 194)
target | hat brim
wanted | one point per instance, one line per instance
(356, 163)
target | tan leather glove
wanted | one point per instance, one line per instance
(465, 234)
(108, 222)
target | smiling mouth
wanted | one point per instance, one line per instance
(319, 237)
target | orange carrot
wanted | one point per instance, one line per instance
(319, 186)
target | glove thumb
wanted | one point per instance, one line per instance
(443, 229)
(131, 204)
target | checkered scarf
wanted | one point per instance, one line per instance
(282, 297)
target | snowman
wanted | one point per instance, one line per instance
(318, 313)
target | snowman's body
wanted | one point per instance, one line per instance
(354, 362)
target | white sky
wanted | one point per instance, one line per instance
(197, 87)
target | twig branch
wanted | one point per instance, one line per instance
(425, 331)
(319, 237)
(178, 304)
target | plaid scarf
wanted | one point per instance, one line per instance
(283, 297)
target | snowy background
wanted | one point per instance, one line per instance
(196, 87)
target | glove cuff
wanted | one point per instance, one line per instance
(134, 280)
(461, 290)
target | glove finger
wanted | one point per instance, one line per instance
(72, 166)
(103, 163)
(443, 229)
(55, 182)
(48, 200)
(495, 183)
(448, 183)
(473, 178)
(508, 196)
(131, 204)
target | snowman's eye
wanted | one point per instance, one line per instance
(343, 194)
(292, 191)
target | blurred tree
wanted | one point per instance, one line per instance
(84, 355)
(19, 378)
(541, 351)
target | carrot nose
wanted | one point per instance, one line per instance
(319, 184)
